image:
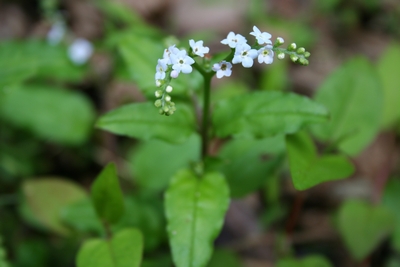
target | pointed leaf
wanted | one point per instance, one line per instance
(264, 114)
(107, 196)
(353, 96)
(307, 169)
(123, 250)
(195, 209)
(142, 121)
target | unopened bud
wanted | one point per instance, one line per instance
(158, 83)
(158, 103)
(294, 58)
(292, 46)
(169, 89)
(303, 61)
(281, 55)
(307, 54)
(301, 50)
(158, 93)
(279, 40)
(168, 98)
(174, 74)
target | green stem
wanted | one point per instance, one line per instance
(206, 116)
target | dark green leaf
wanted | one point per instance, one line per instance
(224, 258)
(307, 169)
(195, 209)
(391, 200)
(107, 196)
(142, 121)
(363, 227)
(309, 261)
(353, 96)
(123, 250)
(264, 114)
(51, 113)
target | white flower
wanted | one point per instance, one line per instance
(266, 55)
(262, 37)
(245, 55)
(198, 48)
(80, 51)
(233, 40)
(223, 69)
(161, 69)
(56, 33)
(168, 52)
(181, 62)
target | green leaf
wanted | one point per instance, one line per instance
(386, 67)
(168, 159)
(142, 121)
(309, 261)
(224, 258)
(307, 169)
(107, 196)
(353, 96)
(263, 114)
(123, 250)
(3, 262)
(247, 163)
(276, 78)
(363, 227)
(46, 197)
(195, 208)
(391, 200)
(51, 113)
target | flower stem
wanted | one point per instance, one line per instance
(206, 116)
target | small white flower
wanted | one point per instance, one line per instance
(198, 48)
(168, 89)
(262, 37)
(266, 55)
(245, 55)
(233, 40)
(80, 51)
(223, 69)
(181, 62)
(168, 52)
(161, 69)
(174, 74)
(56, 33)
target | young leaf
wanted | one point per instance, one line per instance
(387, 65)
(46, 197)
(124, 249)
(353, 96)
(107, 196)
(142, 121)
(195, 209)
(310, 261)
(307, 169)
(363, 227)
(264, 114)
(51, 113)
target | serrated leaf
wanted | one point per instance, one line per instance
(107, 195)
(363, 226)
(353, 96)
(307, 169)
(123, 250)
(142, 121)
(46, 197)
(195, 208)
(387, 65)
(309, 261)
(169, 158)
(264, 114)
(51, 113)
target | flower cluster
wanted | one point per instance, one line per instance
(175, 61)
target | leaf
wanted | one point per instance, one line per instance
(309, 261)
(307, 169)
(353, 96)
(224, 258)
(248, 163)
(386, 67)
(195, 209)
(123, 250)
(3, 261)
(142, 121)
(276, 78)
(51, 113)
(391, 200)
(107, 196)
(363, 227)
(169, 158)
(46, 197)
(263, 114)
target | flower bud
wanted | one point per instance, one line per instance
(158, 83)
(301, 50)
(279, 41)
(158, 103)
(168, 98)
(281, 55)
(169, 89)
(307, 54)
(294, 58)
(174, 74)
(292, 46)
(158, 93)
(303, 61)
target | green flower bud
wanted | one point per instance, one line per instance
(158, 93)
(158, 103)
(307, 54)
(294, 58)
(301, 50)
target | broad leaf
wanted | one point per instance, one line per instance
(142, 121)
(123, 250)
(310, 261)
(307, 169)
(107, 196)
(363, 227)
(224, 258)
(247, 163)
(169, 158)
(353, 96)
(264, 114)
(195, 209)
(387, 66)
(46, 197)
(391, 200)
(51, 113)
